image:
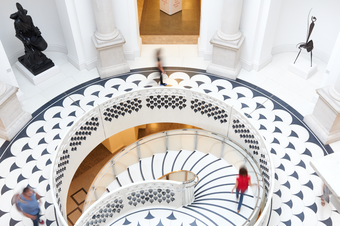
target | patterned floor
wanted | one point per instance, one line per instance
(27, 158)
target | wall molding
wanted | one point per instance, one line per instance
(257, 66)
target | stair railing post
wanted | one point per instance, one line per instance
(166, 141)
(196, 140)
(222, 148)
(138, 151)
(95, 193)
(113, 170)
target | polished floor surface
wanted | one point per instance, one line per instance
(287, 98)
(156, 22)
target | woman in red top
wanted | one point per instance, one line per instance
(242, 183)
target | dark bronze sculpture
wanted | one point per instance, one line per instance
(308, 45)
(34, 60)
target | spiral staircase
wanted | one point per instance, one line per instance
(213, 204)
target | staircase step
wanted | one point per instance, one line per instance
(157, 165)
(135, 173)
(226, 182)
(124, 178)
(196, 157)
(183, 155)
(146, 168)
(168, 161)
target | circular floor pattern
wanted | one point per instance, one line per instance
(27, 158)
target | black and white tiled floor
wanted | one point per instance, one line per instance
(27, 158)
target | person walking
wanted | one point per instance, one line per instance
(325, 195)
(241, 185)
(28, 203)
(160, 67)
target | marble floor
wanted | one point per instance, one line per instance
(184, 22)
(297, 188)
(275, 77)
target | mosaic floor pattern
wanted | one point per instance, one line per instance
(27, 158)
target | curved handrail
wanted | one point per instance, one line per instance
(184, 182)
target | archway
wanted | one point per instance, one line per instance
(157, 27)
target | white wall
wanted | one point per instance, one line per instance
(292, 26)
(126, 20)
(258, 24)
(211, 20)
(45, 17)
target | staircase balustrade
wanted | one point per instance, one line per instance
(231, 128)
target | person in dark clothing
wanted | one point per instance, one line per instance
(160, 68)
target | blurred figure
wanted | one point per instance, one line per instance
(242, 183)
(325, 195)
(28, 203)
(160, 67)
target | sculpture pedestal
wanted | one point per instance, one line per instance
(12, 116)
(170, 6)
(111, 60)
(302, 68)
(226, 57)
(36, 79)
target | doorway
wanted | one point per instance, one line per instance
(157, 27)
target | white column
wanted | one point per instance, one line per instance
(103, 14)
(227, 42)
(231, 20)
(78, 25)
(332, 69)
(108, 41)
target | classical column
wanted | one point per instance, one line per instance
(227, 42)
(108, 41)
(12, 117)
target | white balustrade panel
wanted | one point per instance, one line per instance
(168, 105)
(131, 198)
(246, 135)
(84, 135)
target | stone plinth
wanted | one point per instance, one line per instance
(170, 6)
(302, 68)
(39, 78)
(325, 119)
(111, 59)
(226, 56)
(12, 116)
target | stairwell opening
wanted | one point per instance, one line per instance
(102, 154)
